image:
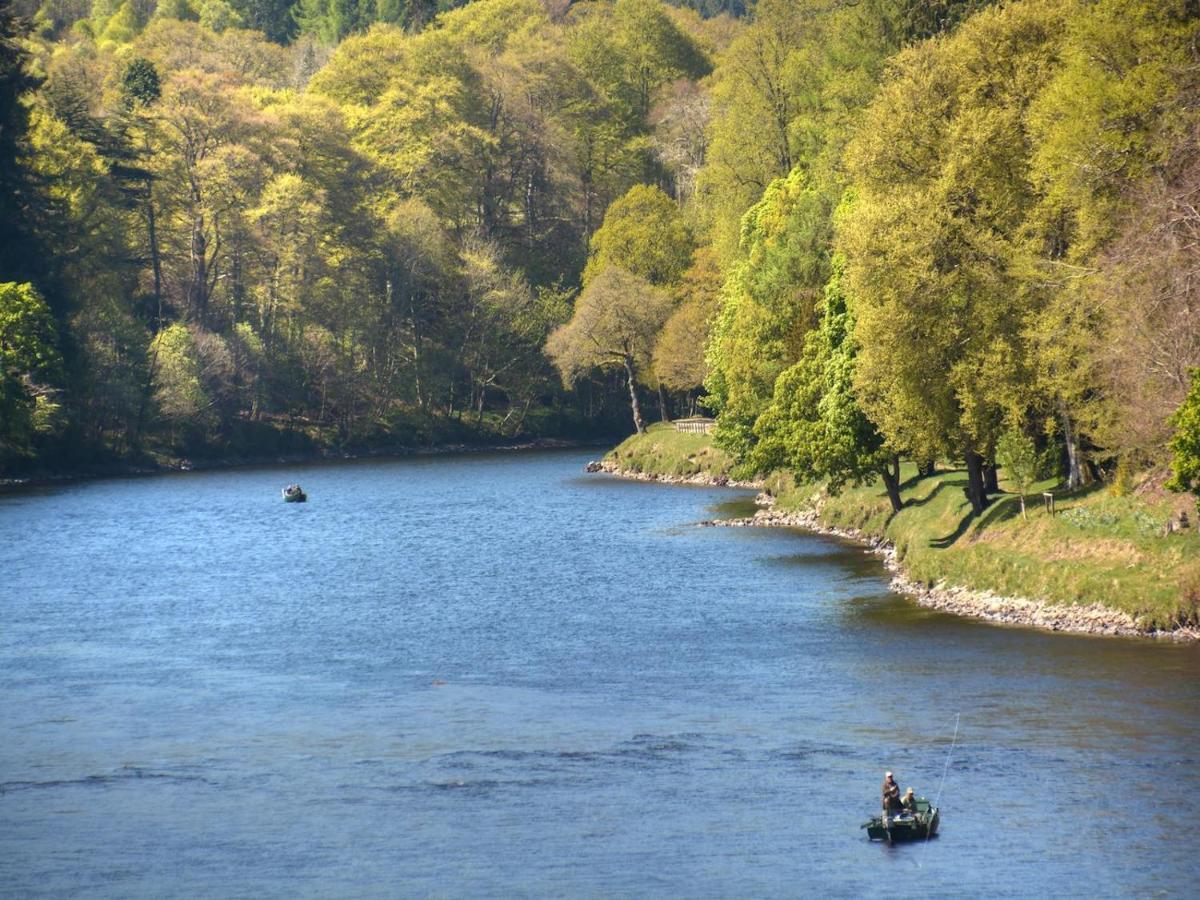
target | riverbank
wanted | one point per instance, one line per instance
(1099, 565)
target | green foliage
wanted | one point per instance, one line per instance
(940, 168)
(631, 49)
(1018, 457)
(181, 10)
(140, 85)
(380, 226)
(643, 233)
(178, 391)
(118, 27)
(1111, 114)
(1185, 445)
(770, 301)
(787, 90)
(679, 363)
(274, 18)
(814, 425)
(218, 15)
(30, 365)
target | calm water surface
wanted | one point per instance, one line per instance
(495, 676)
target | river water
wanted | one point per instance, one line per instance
(494, 676)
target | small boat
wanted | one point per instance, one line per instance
(917, 825)
(293, 493)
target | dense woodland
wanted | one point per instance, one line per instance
(856, 230)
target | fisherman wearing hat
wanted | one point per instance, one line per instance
(909, 801)
(891, 795)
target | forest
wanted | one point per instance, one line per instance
(855, 231)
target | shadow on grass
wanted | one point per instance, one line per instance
(938, 488)
(913, 480)
(1003, 508)
(950, 539)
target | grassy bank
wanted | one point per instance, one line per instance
(664, 451)
(1097, 548)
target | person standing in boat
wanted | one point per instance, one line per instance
(891, 795)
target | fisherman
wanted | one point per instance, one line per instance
(891, 795)
(909, 801)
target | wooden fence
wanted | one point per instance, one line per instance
(695, 425)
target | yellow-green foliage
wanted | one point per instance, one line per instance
(664, 451)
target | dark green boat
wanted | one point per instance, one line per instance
(918, 825)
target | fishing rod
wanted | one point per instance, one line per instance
(945, 769)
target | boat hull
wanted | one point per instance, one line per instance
(910, 828)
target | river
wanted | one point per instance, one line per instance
(492, 676)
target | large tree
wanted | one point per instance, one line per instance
(616, 320)
(940, 168)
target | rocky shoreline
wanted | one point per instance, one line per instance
(1093, 619)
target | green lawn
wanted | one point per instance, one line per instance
(1097, 548)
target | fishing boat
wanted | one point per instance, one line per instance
(293, 493)
(917, 825)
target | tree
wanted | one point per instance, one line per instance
(643, 233)
(679, 363)
(274, 18)
(814, 424)
(768, 305)
(1116, 112)
(30, 364)
(178, 391)
(1017, 455)
(18, 246)
(615, 322)
(140, 84)
(1185, 445)
(506, 325)
(934, 240)
(630, 50)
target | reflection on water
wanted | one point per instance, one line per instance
(490, 675)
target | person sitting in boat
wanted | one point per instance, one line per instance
(891, 795)
(909, 801)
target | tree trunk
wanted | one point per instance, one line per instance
(633, 398)
(891, 481)
(1023, 516)
(662, 404)
(991, 479)
(976, 490)
(1074, 470)
(155, 260)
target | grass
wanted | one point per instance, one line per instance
(664, 451)
(1097, 548)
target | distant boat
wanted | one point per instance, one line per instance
(917, 825)
(293, 493)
